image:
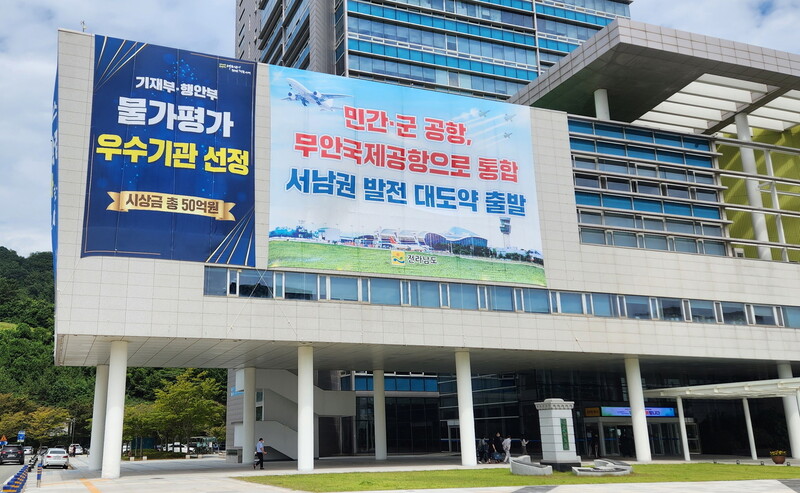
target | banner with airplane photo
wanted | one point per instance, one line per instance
(376, 178)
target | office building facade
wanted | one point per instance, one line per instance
(598, 241)
(488, 49)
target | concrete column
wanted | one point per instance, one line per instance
(379, 413)
(790, 409)
(641, 437)
(684, 435)
(98, 417)
(751, 186)
(601, 109)
(466, 415)
(749, 423)
(249, 413)
(305, 409)
(115, 409)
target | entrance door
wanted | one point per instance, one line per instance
(453, 438)
(611, 440)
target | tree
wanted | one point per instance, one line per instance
(190, 404)
(47, 422)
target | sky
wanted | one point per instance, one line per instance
(28, 64)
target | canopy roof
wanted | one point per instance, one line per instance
(673, 80)
(757, 389)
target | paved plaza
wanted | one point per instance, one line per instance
(214, 475)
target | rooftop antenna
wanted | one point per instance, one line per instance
(83, 26)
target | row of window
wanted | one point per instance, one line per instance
(392, 383)
(646, 170)
(220, 281)
(440, 60)
(620, 220)
(439, 22)
(573, 15)
(652, 241)
(566, 30)
(433, 75)
(611, 6)
(639, 152)
(613, 201)
(639, 134)
(443, 42)
(645, 187)
(479, 11)
(554, 45)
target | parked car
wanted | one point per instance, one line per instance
(55, 457)
(12, 453)
(179, 447)
(28, 450)
(78, 448)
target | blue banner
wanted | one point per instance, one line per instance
(171, 165)
(54, 178)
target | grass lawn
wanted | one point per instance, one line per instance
(477, 478)
(309, 255)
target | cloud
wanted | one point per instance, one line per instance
(772, 24)
(28, 66)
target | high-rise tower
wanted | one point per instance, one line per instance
(484, 48)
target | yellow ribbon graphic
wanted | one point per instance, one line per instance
(125, 201)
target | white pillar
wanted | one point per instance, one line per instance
(466, 415)
(305, 409)
(751, 186)
(249, 414)
(684, 435)
(749, 423)
(115, 409)
(379, 413)
(790, 409)
(601, 109)
(98, 417)
(641, 437)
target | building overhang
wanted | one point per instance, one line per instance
(758, 389)
(673, 80)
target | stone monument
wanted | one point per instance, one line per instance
(558, 434)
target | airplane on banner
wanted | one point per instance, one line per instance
(300, 93)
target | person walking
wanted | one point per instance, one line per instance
(497, 447)
(260, 453)
(507, 449)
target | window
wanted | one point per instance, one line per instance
(702, 311)
(385, 291)
(300, 286)
(464, 296)
(424, 294)
(593, 236)
(637, 307)
(587, 181)
(500, 298)
(733, 313)
(571, 303)
(535, 301)
(764, 315)
(216, 280)
(590, 217)
(669, 309)
(255, 284)
(604, 305)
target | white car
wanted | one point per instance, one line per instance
(179, 447)
(55, 457)
(78, 448)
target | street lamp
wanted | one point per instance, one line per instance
(72, 434)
